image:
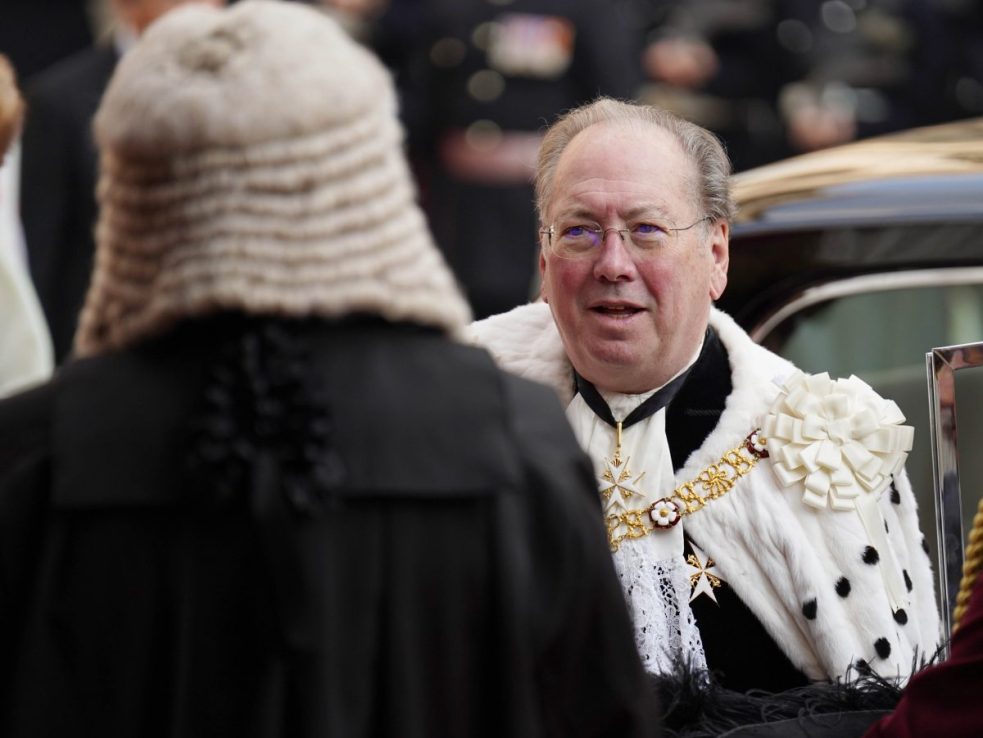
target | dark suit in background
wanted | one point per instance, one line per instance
(58, 179)
(35, 34)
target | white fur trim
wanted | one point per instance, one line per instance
(525, 341)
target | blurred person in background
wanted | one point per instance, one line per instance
(357, 17)
(272, 495)
(59, 169)
(25, 347)
(479, 81)
(964, 34)
(774, 78)
(34, 34)
(869, 68)
(720, 64)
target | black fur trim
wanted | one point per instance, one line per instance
(695, 706)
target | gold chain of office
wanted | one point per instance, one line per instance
(713, 482)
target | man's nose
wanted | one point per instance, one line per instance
(615, 262)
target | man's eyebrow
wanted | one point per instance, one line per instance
(649, 209)
(579, 213)
(645, 209)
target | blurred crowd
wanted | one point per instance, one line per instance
(479, 79)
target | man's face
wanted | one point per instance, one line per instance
(629, 322)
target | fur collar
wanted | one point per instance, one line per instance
(526, 342)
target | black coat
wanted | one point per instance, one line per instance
(449, 576)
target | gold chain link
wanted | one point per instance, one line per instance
(712, 483)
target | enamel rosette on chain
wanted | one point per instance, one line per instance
(839, 443)
(662, 515)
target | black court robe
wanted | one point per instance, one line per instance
(453, 580)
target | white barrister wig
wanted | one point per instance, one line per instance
(251, 160)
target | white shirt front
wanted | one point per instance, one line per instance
(652, 571)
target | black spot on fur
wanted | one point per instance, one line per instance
(843, 587)
(901, 617)
(907, 579)
(924, 545)
(809, 609)
(883, 647)
(895, 495)
(862, 667)
(886, 529)
(871, 556)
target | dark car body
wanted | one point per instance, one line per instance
(909, 201)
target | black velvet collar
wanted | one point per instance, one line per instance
(649, 407)
(696, 409)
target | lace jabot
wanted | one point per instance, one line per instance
(657, 592)
(652, 571)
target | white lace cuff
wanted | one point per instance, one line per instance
(657, 592)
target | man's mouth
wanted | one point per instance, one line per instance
(616, 311)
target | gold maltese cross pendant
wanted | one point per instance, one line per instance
(703, 578)
(616, 479)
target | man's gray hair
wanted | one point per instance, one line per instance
(701, 146)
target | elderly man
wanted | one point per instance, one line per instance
(760, 520)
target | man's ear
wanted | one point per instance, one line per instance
(542, 276)
(720, 254)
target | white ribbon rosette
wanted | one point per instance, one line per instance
(841, 443)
